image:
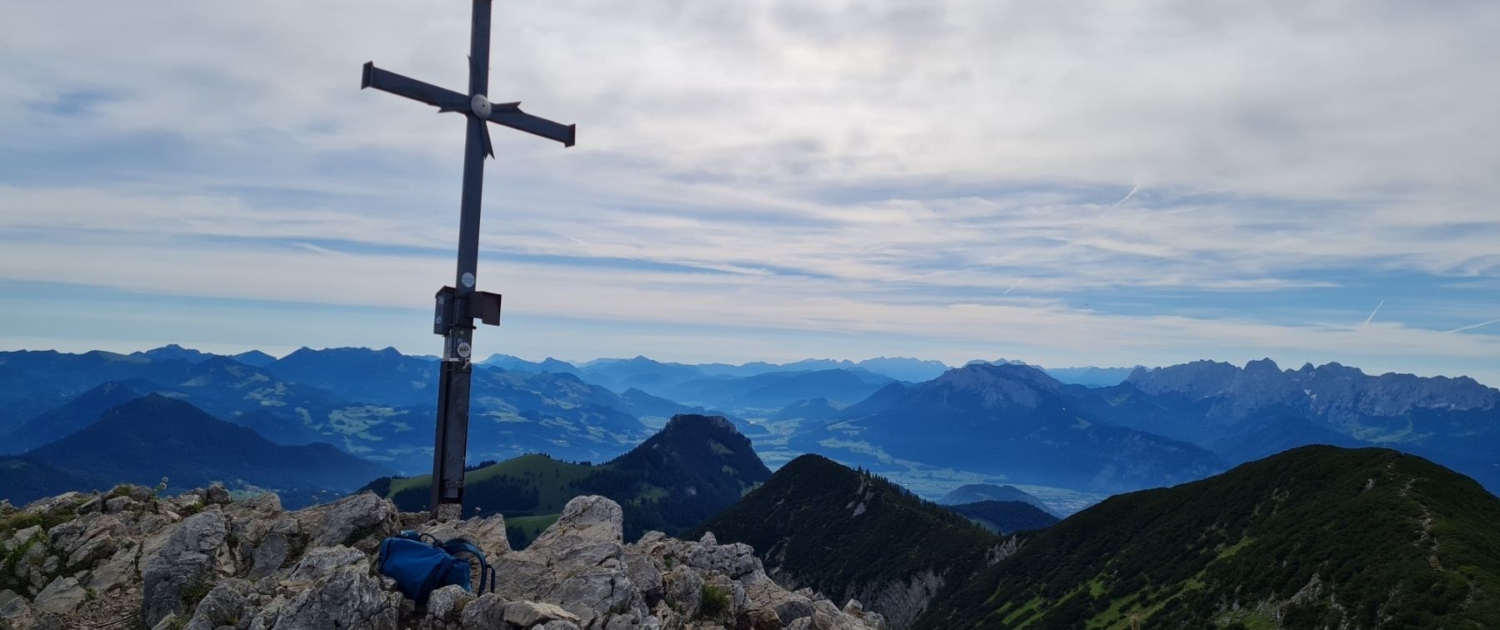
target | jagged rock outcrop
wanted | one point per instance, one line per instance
(200, 561)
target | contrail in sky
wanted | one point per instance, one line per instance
(1372, 314)
(1017, 284)
(1133, 191)
(1481, 324)
(575, 240)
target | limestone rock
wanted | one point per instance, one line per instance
(116, 505)
(528, 614)
(445, 605)
(54, 506)
(249, 565)
(349, 599)
(486, 612)
(684, 590)
(487, 533)
(587, 518)
(184, 567)
(225, 605)
(354, 519)
(14, 610)
(60, 597)
(323, 562)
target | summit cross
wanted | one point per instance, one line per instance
(458, 306)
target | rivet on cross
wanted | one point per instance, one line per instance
(458, 307)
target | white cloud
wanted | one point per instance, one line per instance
(888, 166)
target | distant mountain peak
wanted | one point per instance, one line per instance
(999, 384)
(1262, 366)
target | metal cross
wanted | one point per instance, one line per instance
(457, 308)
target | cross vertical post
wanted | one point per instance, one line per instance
(459, 305)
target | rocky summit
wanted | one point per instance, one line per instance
(201, 561)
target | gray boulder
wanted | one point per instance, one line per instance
(353, 520)
(528, 614)
(60, 597)
(185, 567)
(486, 612)
(349, 599)
(226, 605)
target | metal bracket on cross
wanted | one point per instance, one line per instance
(483, 306)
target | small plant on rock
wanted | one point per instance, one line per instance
(715, 602)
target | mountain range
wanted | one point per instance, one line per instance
(1011, 421)
(156, 439)
(1245, 413)
(1000, 422)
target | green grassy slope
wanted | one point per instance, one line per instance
(848, 533)
(1315, 537)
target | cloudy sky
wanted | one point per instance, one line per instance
(1066, 183)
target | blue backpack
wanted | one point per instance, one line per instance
(421, 564)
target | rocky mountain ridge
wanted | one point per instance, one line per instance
(1008, 421)
(201, 561)
(1342, 394)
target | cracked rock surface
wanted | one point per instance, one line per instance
(200, 561)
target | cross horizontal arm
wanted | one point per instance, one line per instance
(413, 89)
(522, 121)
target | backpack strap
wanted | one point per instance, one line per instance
(486, 572)
(412, 534)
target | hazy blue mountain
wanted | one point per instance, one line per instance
(517, 364)
(1015, 421)
(226, 388)
(976, 492)
(511, 413)
(23, 396)
(878, 401)
(775, 390)
(1217, 405)
(737, 371)
(76, 373)
(254, 358)
(78, 413)
(286, 431)
(654, 409)
(153, 437)
(905, 368)
(640, 373)
(1269, 433)
(1090, 376)
(23, 480)
(816, 409)
(898, 368)
(382, 407)
(174, 352)
(1345, 396)
(1006, 517)
(384, 377)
